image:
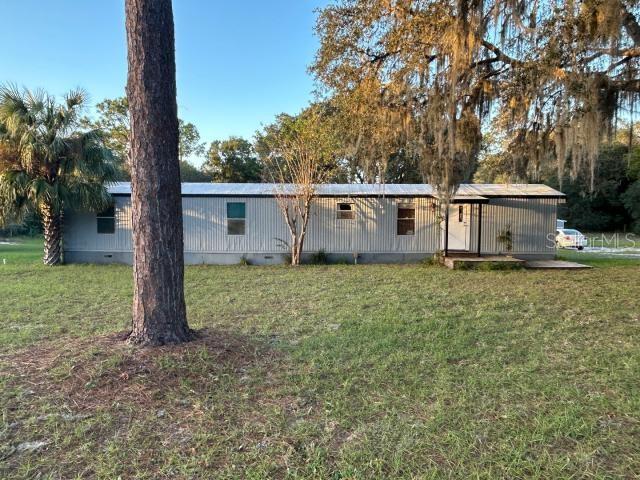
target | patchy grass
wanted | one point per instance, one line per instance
(601, 260)
(323, 372)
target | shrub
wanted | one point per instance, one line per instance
(435, 259)
(505, 238)
(319, 258)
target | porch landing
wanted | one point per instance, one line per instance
(501, 262)
(468, 262)
(555, 265)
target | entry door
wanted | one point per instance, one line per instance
(458, 227)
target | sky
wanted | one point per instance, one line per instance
(239, 63)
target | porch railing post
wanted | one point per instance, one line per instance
(446, 232)
(479, 229)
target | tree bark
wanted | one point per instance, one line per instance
(295, 251)
(52, 227)
(159, 314)
(630, 24)
(297, 228)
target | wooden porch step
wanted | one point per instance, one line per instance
(491, 262)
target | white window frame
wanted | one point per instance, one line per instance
(340, 214)
(235, 219)
(405, 206)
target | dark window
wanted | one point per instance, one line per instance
(235, 210)
(346, 211)
(460, 213)
(106, 221)
(406, 219)
(235, 218)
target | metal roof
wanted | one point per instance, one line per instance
(471, 192)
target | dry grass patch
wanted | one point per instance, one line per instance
(95, 372)
(98, 392)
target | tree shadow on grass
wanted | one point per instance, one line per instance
(95, 372)
(217, 402)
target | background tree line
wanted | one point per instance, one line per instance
(612, 202)
(448, 92)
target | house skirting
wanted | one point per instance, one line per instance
(195, 258)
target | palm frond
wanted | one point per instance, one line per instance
(14, 200)
(45, 158)
(75, 98)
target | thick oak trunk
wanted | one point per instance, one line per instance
(52, 227)
(159, 315)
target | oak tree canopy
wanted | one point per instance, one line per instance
(429, 76)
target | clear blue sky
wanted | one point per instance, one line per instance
(239, 63)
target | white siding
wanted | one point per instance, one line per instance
(372, 231)
(80, 230)
(532, 222)
(374, 228)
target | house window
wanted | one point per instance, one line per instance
(235, 218)
(460, 214)
(107, 221)
(346, 211)
(406, 219)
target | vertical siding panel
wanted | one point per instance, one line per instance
(530, 219)
(372, 231)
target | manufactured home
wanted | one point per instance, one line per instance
(225, 223)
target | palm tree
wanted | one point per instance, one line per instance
(46, 164)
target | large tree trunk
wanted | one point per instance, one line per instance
(159, 314)
(52, 227)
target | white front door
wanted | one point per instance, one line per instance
(458, 227)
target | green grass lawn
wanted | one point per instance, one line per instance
(326, 372)
(596, 259)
